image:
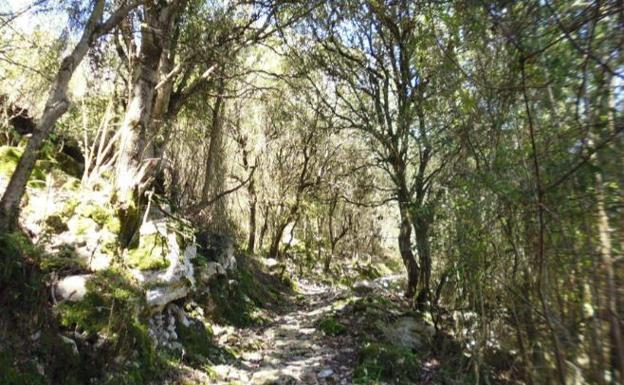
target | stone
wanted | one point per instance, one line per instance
(270, 262)
(326, 373)
(252, 356)
(35, 336)
(218, 248)
(71, 343)
(173, 282)
(210, 270)
(179, 314)
(409, 332)
(72, 288)
(364, 287)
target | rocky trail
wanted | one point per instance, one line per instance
(290, 348)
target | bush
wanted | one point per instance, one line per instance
(379, 361)
(330, 326)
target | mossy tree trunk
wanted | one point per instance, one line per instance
(136, 161)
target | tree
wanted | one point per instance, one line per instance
(374, 54)
(56, 105)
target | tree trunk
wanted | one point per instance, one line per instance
(405, 248)
(251, 242)
(263, 229)
(604, 231)
(136, 152)
(276, 241)
(214, 167)
(136, 135)
(56, 105)
(421, 230)
(211, 177)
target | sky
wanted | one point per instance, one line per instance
(28, 21)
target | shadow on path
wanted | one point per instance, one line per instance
(291, 349)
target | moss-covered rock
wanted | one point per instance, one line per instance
(378, 361)
(112, 301)
(197, 339)
(9, 157)
(68, 165)
(101, 213)
(56, 224)
(150, 254)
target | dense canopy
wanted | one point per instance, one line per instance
(443, 172)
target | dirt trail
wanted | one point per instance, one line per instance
(290, 349)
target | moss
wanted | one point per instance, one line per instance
(85, 225)
(378, 361)
(239, 299)
(184, 230)
(72, 184)
(198, 343)
(112, 310)
(23, 360)
(69, 208)
(151, 253)
(64, 262)
(56, 224)
(18, 270)
(9, 157)
(104, 216)
(68, 165)
(112, 300)
(330, 326)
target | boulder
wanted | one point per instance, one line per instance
(209, 271)
(218, 248)
(72, 288)
(409, 332)
(177, 279)
(364, 287)
(70, 343)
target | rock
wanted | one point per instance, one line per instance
(173, 282)
(210, 270)
(409, 332)
(270, 262)
(364, 287)
(159, 297)
(252, 356)
(35, 336)
(72, 288)
(71, 343)
(179, 314)
(274, 377)
(218, 248)
(326, 373)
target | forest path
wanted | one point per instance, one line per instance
(291, 349)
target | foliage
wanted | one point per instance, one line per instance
(378, 361)
(332, 327)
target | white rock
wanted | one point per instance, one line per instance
(270, 262)
(72, 288)
(172, 283)
(326, 373)
(70, 342)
